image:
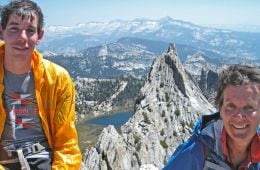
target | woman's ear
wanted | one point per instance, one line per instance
(220, 113)
(40, 36)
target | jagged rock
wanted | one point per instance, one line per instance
(169, 104)
(110, 148)
(196, 62)
(148, 167)
(208, 84)
(204, 73)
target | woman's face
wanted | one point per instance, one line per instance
(241, 111)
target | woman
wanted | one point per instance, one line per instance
(230, 138)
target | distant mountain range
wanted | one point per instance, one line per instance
(228, 44)
(125, 56)
(134, 56)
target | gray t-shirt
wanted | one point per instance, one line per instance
(23, 125)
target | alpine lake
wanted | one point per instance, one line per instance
(90, 129)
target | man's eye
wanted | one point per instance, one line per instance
(31, 31)
(14, 29)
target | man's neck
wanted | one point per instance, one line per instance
(17, 66)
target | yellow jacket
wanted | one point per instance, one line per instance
(55, 96)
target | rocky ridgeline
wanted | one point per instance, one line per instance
(205, 73)
(169, 105)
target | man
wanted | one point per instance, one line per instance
(229, 139)
(37, 108)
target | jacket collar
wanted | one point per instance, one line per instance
(205, 121)
(255, 146)
(38, 69)
(2, 53)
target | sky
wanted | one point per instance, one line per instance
(201, 12)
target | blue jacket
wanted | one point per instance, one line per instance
(203, 150)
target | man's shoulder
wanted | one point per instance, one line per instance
(54, 68)
(46, 64)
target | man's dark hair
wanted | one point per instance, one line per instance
(22, 8)
(236, 75)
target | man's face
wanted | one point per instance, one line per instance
(20, 36)
(241, 111)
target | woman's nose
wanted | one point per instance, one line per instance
(240, 113)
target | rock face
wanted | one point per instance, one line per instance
(164, 116)
(204, 72)
(208, 84)
(197, 62)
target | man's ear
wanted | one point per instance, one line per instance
(1, 33)
(40, 36)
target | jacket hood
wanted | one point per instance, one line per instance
(208, 130)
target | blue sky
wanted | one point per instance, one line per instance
(202, 12)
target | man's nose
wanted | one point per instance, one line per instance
(22, 35)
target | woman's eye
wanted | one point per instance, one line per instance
(249, 109)
(230, 107)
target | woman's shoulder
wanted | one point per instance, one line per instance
(188, 155)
